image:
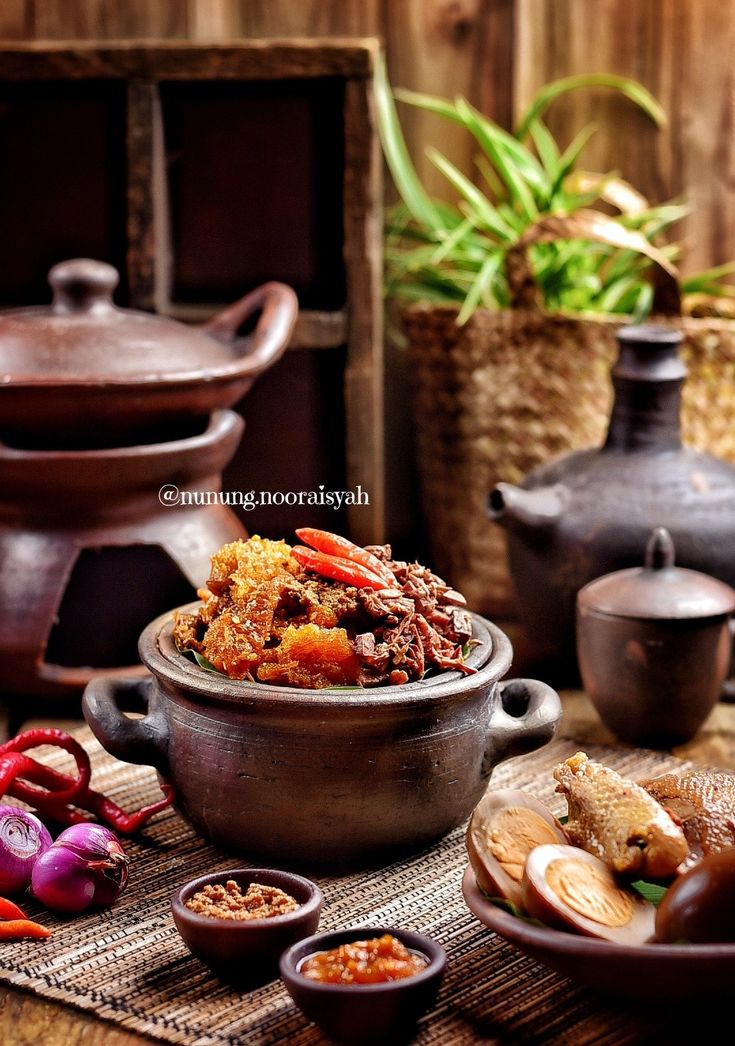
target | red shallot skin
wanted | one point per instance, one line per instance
(23, 839)
(85, 867)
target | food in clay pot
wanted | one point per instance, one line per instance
(568, 888)
(699, 908)
(331, 615)
(505, 826)
(248, 704)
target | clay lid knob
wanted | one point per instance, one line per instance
(658, 589)
(83, 285)
(659, 550)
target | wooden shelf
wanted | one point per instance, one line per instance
(210, 169)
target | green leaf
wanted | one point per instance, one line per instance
(546, 147)
(636, 92)
(396, 153)
(204, 663)
(510, 168)
(482, 207)
(571, 154)
(484, 130)
(513, 909)
(653, 892)
(702, 282)
(485, 277)
(457, 237)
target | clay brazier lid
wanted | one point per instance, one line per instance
(84, 336)
(659, 589)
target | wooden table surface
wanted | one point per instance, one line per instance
(26, 1019)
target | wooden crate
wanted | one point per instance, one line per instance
(200, 171)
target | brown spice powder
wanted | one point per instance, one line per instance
(227, 901)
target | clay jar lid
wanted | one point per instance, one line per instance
(83, 336)
(659, 589)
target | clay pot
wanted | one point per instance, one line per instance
(323, 777)
(589, 513)
(653, 644)
(84, 372)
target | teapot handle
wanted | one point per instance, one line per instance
(143, 740)
(525, 717)
(278, 307)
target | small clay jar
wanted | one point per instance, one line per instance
(654, 646)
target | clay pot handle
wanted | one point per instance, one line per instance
(588, 225)
(278, 307)
(524, 718)
(142, 741)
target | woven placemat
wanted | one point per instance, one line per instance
(129, 966)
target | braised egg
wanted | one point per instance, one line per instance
(568, 888)
(504, 827)
(700, 906)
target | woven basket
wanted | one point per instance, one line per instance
(513, 388)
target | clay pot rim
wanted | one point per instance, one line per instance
(492, 657)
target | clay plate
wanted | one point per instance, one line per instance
(651, 972)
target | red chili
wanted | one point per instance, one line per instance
(336, 568)
(16, 929)
(63, 785)
(9, 910)
(335, 545)
(59, 794)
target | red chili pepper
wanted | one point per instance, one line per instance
(336, 568)
(335, 545)
(17, 929)
(59, 794)
(9, 910)
(64, 786)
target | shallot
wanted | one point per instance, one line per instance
(23, 839)
(85, 867)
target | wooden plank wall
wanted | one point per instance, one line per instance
(498, 52)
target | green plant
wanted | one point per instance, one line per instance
(530, 195)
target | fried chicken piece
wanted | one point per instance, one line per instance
(235, 639)
(186, 632)
(703, 803)
(310, 656)
(241, 566)
(618, 821)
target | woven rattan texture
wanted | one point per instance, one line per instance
(513, 389)
(128, 965)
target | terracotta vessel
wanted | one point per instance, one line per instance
(654, 645)
(89, 552)
(590, 512)
(326, 778)
(83, 372)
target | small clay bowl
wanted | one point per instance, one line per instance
(365, 1013)
(247, 949)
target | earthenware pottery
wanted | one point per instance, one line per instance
(323, 777)
(654, 646)
(82, 372)
(589, 513)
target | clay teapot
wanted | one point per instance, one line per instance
(83, 369)
(590, 512)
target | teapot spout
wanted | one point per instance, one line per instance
(529, 510)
